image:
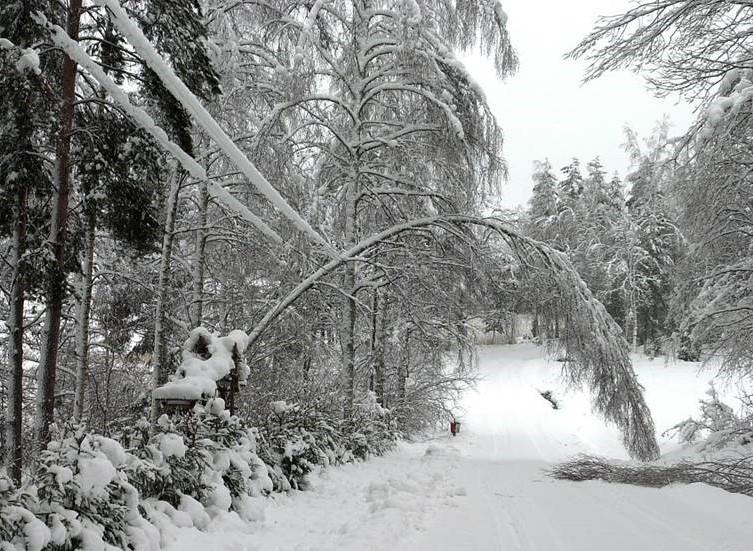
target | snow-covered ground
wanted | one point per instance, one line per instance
(485, 489)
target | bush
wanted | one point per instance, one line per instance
(90, 491)
(77, 499)
(717, 427)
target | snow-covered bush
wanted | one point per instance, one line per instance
(206, 454)
(298, 441)
(19, 526)
(94, 492)
(78, 498)
(717, 426)
(371, 430)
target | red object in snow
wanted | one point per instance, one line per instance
(453, 428)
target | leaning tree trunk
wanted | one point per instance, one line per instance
(197, 294)
(597, 348)
(158, 352)
(635, 327)
(45, 399)
(84, 308)
(13, 437)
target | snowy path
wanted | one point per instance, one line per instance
(485, 489)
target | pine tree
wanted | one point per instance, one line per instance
(571, 186)
(656, 232)
(542, 208)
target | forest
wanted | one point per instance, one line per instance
(241, 240)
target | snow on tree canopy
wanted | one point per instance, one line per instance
(197, 377)
(29, 61)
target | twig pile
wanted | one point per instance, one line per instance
(734, 475)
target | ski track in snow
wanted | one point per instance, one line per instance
(486, 489)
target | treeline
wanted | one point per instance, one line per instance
(684, 263)
(622, 237)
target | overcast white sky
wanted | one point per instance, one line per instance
(544, 110)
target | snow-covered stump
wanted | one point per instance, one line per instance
(212, 366)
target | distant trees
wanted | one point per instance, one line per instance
(702, 51)
(625, 249)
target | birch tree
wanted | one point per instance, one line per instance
(372, 92)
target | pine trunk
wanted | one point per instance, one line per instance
(13, 438)
(158, 353)
(45, 399)
(84, 309)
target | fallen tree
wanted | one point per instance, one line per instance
(731, 474)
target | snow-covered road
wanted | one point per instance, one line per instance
(485, 489)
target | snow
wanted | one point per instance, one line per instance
(37, 534)
(485, 489)
(281, 407)
(109, 447)
(94, 474)
(196, 378)
(172, 445)
(29, 61)
(63, 475)
(195, 511)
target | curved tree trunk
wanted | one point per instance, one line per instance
(598, 351)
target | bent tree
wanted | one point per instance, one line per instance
(596, 347)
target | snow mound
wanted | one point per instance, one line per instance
(433, 450)
(196, 377)
(29, 61)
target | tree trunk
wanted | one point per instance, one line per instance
(13, 437)
(197, 295)
(349, 286)
(379, 340)
(171, 208)
(404, 368)
(45, 399)
(634, 314)
(84, 309)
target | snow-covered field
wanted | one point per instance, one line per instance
(485, 490)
